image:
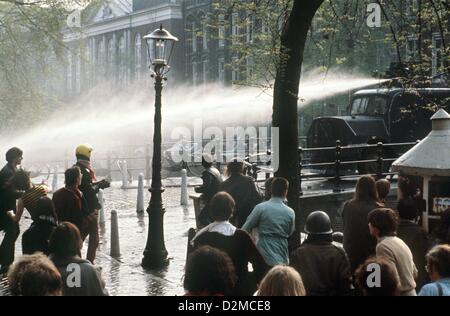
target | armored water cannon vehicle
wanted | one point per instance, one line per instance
(388, 116)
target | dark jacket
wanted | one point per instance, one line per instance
(91, 282)
(417, 240)
(324, 267)
(70, 206)
(37, 237)
(358, 243)
(8, 194)
(211, 183)
(244, 193)
(88, 189)
(242, 250)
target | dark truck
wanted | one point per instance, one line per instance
(377, 115)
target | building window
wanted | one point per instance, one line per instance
(205, 36)
(412, 6)
(205, 72)
(250, 68)
(69, 76)
(221, 70)
(122, 75)
(234, 69)
(250, 27)
(138, 56)
(111, 59)
(235, 28)
(438, 60)
(194, 73)
(221, 31)
(412, 50)
(194, 37)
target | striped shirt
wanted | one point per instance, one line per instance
(31, 197)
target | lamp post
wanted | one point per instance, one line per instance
(160, 46)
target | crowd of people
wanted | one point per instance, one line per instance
(384, 250)
(51, 263)
(242, 246)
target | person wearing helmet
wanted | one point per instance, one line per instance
(8, 197)
(89, 188)
(324, 266)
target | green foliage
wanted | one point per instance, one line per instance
(31, 49)
(339, 37)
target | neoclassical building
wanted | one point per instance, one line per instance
(109, 47)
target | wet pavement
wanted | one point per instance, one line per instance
(124, 275)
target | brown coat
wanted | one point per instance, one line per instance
(69, 206)
(358, 243)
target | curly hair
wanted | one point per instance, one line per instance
(209, 271)
(34, 275)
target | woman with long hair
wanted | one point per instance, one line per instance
(358, 243)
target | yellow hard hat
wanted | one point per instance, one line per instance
(84, 150)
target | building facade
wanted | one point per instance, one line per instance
(109, 46)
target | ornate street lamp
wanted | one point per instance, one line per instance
(160, 46)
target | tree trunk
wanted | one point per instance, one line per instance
(285, 111)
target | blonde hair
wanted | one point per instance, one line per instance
(282, 281)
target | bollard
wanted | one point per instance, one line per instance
(337, 168)
(124, 171)
(115, 245)
(140, 195)
(379, 160)
(184, 191)
(55, 180)
(101, 215)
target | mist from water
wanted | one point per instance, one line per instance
(106, 119)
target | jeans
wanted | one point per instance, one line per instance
(11, 229)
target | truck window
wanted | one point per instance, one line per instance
(377, 105)
(359, 106)
(374, 105)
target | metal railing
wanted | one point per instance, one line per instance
(380, 160)
(338, 163)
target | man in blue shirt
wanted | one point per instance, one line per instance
(438, 267)
(275, 223)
